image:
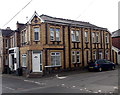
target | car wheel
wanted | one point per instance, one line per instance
(100, 69)
(113, 67)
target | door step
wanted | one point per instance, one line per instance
(34, 75)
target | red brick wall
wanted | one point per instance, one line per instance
(116, 42)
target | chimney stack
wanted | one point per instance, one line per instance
(8, 28)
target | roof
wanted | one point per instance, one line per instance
(20, 26)
(62, 21)
(116, 33)
(6, 32)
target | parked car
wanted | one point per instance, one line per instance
(101, 64)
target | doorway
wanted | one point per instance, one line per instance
(37, 62)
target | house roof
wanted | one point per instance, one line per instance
(20, 26)
(6, 32)
(116, 33)
(62, 21)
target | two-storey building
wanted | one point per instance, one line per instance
(9, 50)
(49, 43)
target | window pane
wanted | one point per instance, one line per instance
(93, 37)
(57, 53)
(94, 54)
(52, 60)
(57, 60)
(36, 29)
(77, 52)
(23, 60)
(36, 35)
(97, 37)
(77, 35)
(57, 34)
(52, 53)
(73, 58)
(73, 35)
(78, 58)
(51, 34)
(100, 55)
(86, 36)
(73, 52)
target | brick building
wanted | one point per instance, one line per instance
(7, 42)
(116, 46)
(48, 43)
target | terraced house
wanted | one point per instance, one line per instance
(48, 43)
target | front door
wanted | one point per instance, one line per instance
(37, 62)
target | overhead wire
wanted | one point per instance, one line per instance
(17, 13)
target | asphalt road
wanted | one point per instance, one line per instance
(85, 82)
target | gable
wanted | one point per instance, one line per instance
(35, 19)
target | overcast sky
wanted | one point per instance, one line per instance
(103, 13)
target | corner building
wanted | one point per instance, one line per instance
(48, 44)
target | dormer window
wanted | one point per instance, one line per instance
(36, 33)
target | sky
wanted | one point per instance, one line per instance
(103, 13)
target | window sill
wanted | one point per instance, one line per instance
(55, 41)
(52, 66)
(75, 41)
(36, 40)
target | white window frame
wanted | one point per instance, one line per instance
(24, 64)
(55, 55)
(58, 34)
(106, 53)
(100, 54)
(74, 55)
(36, 32)
(6, 61)
(94, 54)
(77, 56)
(97, 37)
(93, 37)
(77, 35)
(107, 38)
(73, 35)
(86, 36)
(6, 43)
(52, 34)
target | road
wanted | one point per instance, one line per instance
(85, 82)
